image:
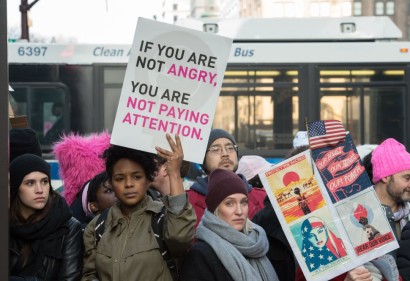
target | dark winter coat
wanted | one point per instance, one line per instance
(57, 255)
(280, 253)
(403, 253)
(202, 264)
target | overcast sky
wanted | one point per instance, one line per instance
(90, 21)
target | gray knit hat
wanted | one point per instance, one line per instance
(217, 134)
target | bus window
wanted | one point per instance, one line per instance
(225, 114)
(113, 78)
(255, 116)
(387, 114)
(259, 106)
(342, 104)
(111, 99)
(46, 108)
(53, 120)
(369, 114)
(371, 108)
(18, 108)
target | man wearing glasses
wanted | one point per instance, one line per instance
(221, 152)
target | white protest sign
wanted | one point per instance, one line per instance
(171, 85)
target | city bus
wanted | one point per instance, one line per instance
(281, 73)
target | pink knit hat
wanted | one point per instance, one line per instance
(389, 158)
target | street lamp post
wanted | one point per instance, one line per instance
(24, 8)
(4, 129)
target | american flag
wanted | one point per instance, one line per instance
(325, 133)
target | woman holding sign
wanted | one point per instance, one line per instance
(229, 246)
(142, 238)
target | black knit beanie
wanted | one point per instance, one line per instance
(213, 136)
(223, 183)
(23, 141)
(22, 166)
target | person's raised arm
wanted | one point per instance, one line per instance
(180, 218)
(173, 164)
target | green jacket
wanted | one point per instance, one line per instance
(128, 250)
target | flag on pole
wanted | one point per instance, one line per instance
(325, 133)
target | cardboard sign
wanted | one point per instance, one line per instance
(328, 210)
(171, 85)
(19, 122)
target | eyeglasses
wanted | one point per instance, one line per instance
(230, 148)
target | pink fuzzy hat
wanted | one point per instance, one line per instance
(388, 158)
(79, 159)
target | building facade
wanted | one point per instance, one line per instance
(397, 10)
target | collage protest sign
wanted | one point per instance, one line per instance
(171, 85)
(327, 206)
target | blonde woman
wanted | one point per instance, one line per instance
(229, 245)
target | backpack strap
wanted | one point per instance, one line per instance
(157, 224)
(99, 225)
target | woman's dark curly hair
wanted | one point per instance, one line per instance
(367, 163)
(95, 184)
(145, 159)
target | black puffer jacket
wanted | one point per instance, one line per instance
(403, 253)
(280, 253)
(201, 263)
(62, 260)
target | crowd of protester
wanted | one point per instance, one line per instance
(125, 214)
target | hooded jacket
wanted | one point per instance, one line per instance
(128, 249)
